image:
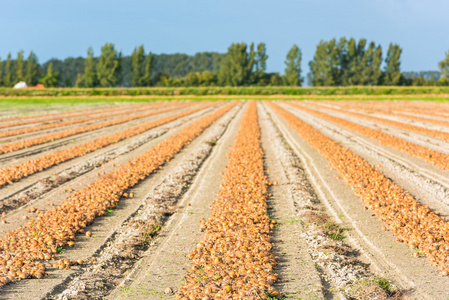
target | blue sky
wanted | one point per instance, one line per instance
(67, 28)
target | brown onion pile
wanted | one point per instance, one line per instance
(87, 112)
(436, 158)
(435, 133)
(16, 172)
(22, 249)
(59, 135)
(234, 260)
(412, 222)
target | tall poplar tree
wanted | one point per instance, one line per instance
(108, 66)
(32, 69)
(50, 79)
(9, 76)
(1, 72)
(352, 56)
(148, 70)
(325, 68)
(242, 67)
(371, 61)
(444, 66)
(392, 74)
(137, 66)
(260, 63)
(293, 69)
(89, 78)
(18, 66)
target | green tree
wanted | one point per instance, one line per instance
(352, 58)
(108, 67)
(32, 69)
(18, 66)
(238, 67)
(148, 70)
(371, 61)
(79, 80)
(9, 76)
(392, 73)
(51, 79)
(325, 68)
(444, 66)
(208, 78)
(89, 79)
(293, 69)
(193, 79)
(260, 63)
(137, 61)
(1, 72)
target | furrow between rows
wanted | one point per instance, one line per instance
(86, 112)
(30, 129)
(35, 187)
(411, 222)
(59, 135)
(438, 159)
(23, 249)
(16, 172)
(435, 133)
(234, 260)
(134, 241)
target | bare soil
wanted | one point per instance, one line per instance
(329, 246)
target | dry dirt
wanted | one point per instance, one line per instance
(329, 246)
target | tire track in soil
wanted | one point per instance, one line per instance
(420, 139)
(298, 275)
(103, 227)
(439, 159)
(377, 247)
(404, 118)
(18, 156)
(427, 183)
(23, 137)
(418, 129)
(32, 188)
(29, 167)
(80, 129)
(165, 262)
(339, 264)
(159, 203)
(92, 106)
(62, 116)
(57, 195)
(17, 187)
(79, 121)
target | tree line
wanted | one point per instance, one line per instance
(341, 62)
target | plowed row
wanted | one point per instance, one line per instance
(438, 159)
(16, 172)
(66, 133)
(72, 122)
(234, 260)
(86, 112)
(410, 117)
(22, 250)
(45, 115)
(435, 133)
(411, 222)
(421, 108)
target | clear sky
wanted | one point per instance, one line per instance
(55, 28)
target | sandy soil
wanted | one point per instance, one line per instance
(139, 249)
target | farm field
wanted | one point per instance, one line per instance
(225, 199)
